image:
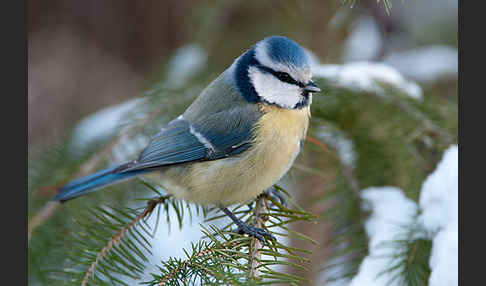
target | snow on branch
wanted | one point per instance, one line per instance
(391, 210)
(439, 217)
(392, 213)
(367, 77)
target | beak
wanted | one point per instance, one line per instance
(312, 87)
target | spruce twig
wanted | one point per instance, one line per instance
(190, 261)
(229, 258)
(42, 215)
(255, 255)
(88, 167)
(117, 238)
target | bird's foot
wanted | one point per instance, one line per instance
(275, 195)
(256, 232)
(243, 228)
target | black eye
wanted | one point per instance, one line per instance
(285, 77)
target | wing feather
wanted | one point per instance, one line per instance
(220, 135)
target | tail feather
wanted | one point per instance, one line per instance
(92, 183)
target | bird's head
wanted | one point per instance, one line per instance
(276, 71)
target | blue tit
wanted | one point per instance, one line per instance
(237, 139)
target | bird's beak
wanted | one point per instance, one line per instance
(312, 87)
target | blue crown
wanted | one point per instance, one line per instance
(283, 50)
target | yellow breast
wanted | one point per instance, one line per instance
(240, 179)
(279, 135)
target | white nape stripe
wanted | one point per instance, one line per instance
(202, 139)
(261, 54)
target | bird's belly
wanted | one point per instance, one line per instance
(240, 179)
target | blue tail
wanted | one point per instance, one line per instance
(92, 182)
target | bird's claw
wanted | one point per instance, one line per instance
(276, 195)
(256, 232)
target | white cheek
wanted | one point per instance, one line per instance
(273, 90)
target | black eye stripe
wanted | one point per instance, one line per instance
(285, 77)
(282, 76)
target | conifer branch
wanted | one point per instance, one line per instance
(192, 261)
(255, 255)
(229, 258)
(88, 167)
(386, 4)
(42, 215)
(186, 263)
(317, 142)
(116, 240)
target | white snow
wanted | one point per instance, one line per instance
(128, 148)
(366, 76)
(343, 145)
(313, 59)
(104, 123)
(391, 210)
(427, 64)
(186, 62)
(439, 217)
(364, 42)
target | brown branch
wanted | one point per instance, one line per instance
(117, 238)
(51, 206)
(255, 244)
(317, 142)
(412, 254)
(45, 212)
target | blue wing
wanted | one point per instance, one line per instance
(223, 134)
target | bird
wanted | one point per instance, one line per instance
(237, 139)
